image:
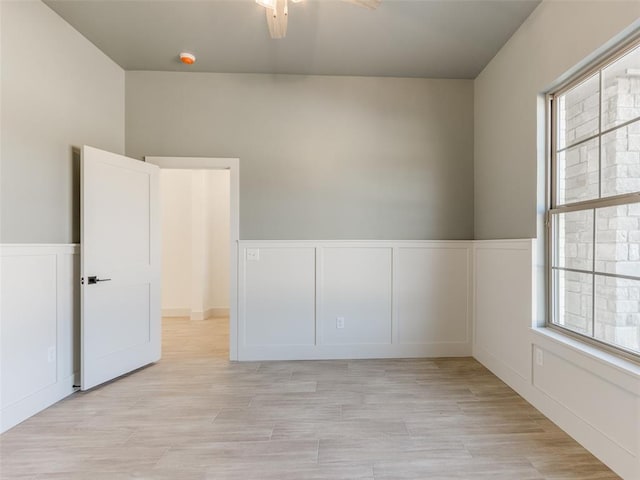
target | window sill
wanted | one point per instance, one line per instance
(600, 356)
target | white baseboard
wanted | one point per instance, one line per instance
(352, 352)
(602, 444)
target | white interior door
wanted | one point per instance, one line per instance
(120, 245)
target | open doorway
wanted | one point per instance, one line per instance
(199, 199)
(194, 216)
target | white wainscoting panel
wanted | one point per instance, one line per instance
(356, 286)
(29, 288)
(592, 395)
(591, 398)
(39, 324)
(277, 298)
(398, 299)
(432, 288)
(292, 293)
(504, 303)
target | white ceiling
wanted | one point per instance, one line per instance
(406, 38)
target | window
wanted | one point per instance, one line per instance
(594, 215)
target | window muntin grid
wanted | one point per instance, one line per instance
(594, 219)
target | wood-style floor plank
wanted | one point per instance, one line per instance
(196, 416)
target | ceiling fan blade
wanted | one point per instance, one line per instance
(277, 19)
(370, 4)
(277, 13)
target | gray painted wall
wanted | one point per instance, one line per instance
(58, 92)
(320, 157)
(509, 112)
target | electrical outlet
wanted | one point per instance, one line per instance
(539, 357)
(253, 254)
(339, 322)
(51, 354)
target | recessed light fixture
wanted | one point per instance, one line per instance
(187, 58)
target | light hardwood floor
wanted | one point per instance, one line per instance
(195, 415)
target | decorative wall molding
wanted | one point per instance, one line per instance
(395, 298)
(594, 399)
(40, 327)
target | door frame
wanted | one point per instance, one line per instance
(233, 165)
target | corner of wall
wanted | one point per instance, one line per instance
(537, 365)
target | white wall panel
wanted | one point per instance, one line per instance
(356, 286)
(277, 297)
(360, 282)
(29, 326)
(592, 395)
(593, 399)
(503, 308)
(432, 295)
(40, 328)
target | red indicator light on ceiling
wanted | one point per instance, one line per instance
(187, 58)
